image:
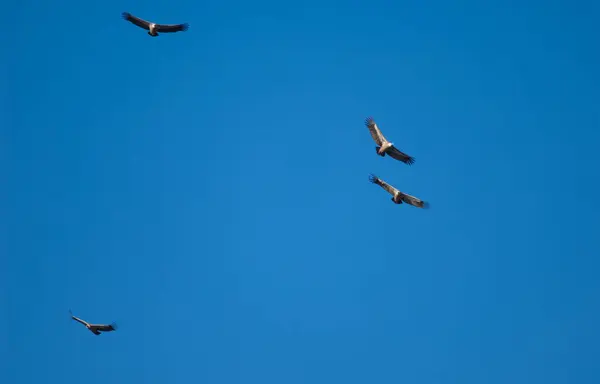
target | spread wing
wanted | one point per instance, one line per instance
(136, 20)
(171, 27)
(376, 180)
(375, 132)
(416, 202)
(77, 319)
(105, 327)
(399, 155)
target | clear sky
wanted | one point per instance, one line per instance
(209, 192)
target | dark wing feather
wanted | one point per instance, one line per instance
(376, 180)
(416, 202)
(399, 155)
(136, 20)
(165, 28)
(105, 327)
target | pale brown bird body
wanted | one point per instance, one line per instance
(384, 146)
(96, 329)
(153, 28)
(399, 197)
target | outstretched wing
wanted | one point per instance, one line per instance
(375, 131)
(136, 20)
(105, 327)
(376, 180)
(414, 201)
(399, 155)
(172, 27)
(77, 319)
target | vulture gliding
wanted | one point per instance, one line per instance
(96, 328)
(398, 196)
(384, 146)
(154, 28)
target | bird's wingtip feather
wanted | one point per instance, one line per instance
(373, 178)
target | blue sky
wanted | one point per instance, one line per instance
(209, 192)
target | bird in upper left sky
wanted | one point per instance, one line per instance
(153, 28)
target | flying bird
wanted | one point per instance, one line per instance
(384, 146)
(96, 328)
(398, 196)
(154, 28)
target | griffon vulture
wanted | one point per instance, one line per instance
(398, 196)
(384, 146)
(95, 328)
(153, 28)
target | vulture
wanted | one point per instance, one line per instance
(384, 146)
(399, 197)
(96, 328)
(153, 28)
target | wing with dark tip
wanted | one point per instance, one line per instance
(375, 131)
(376, 180)
(165, 28)
(416, 202)
(136, 20)
(105, 327)
(399, 155)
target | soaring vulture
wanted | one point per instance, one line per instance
(153, 28)
(384, 146)
(96, 328)
(398, 196)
